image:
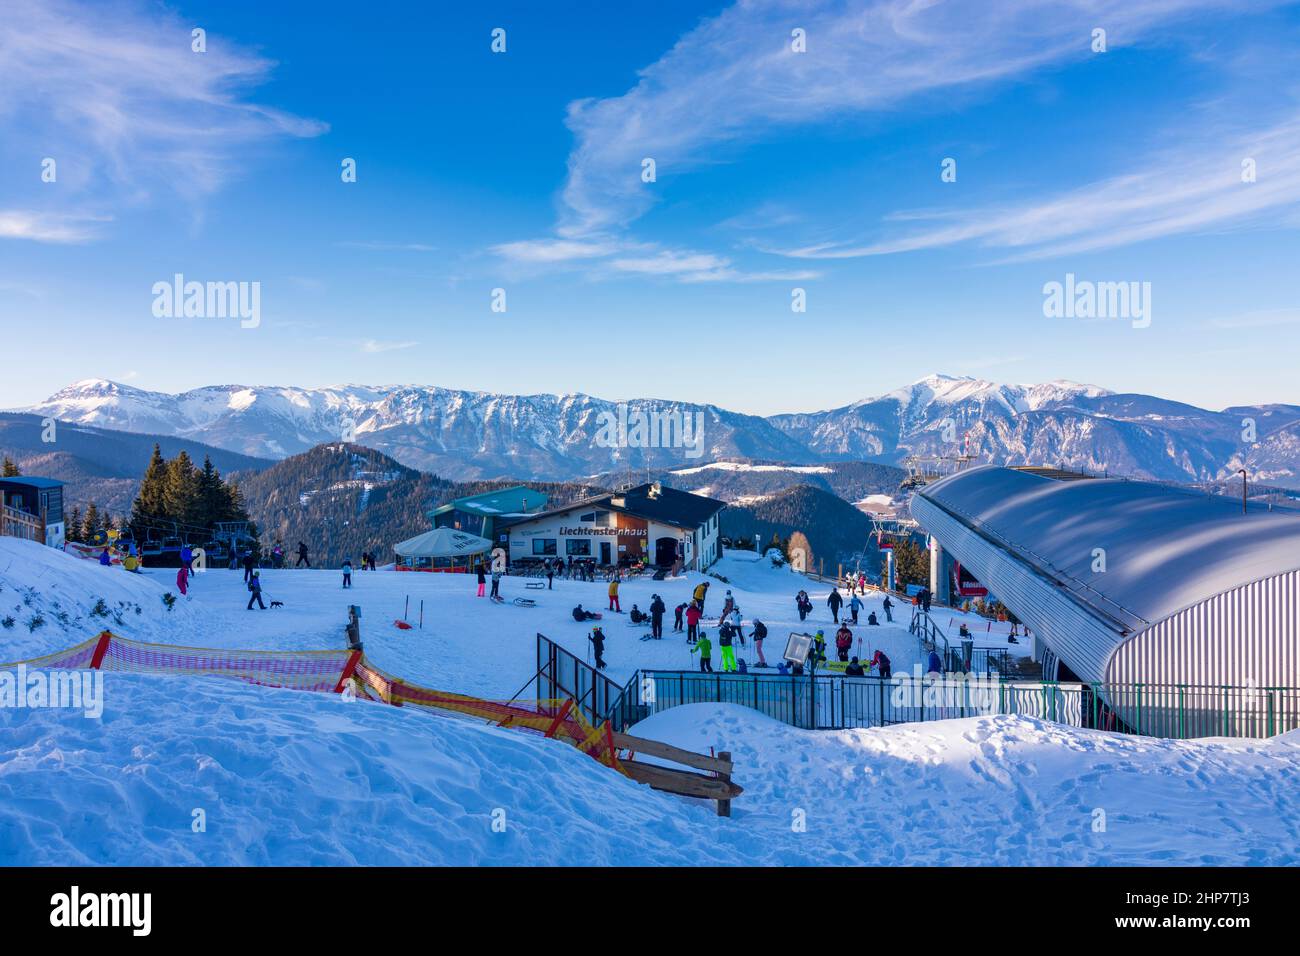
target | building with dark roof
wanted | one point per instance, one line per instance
(648, 522)
(32, 508)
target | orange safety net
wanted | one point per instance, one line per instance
(330, 671)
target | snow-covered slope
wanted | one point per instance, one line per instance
(295, 778)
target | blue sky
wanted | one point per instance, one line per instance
(776, 170)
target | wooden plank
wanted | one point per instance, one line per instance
(681, 782)
(665, 751)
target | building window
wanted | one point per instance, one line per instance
(544, 547)
(602, 519)
(578, 547)
(589, 517)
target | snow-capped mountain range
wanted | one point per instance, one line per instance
(466, 434)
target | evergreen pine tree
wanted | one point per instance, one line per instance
(148, 507)
(9, 469)
(181, 490)
(92, 524)
(72, 527)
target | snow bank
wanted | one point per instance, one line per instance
(997, 790)
(50, 600)
(295, 778)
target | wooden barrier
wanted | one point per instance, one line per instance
(714, 784)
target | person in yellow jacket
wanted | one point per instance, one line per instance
(701, 591)
(613, 596)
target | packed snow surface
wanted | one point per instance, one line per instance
(295, 778)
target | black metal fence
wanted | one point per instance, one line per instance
(833, 702)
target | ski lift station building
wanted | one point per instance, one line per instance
(1128, 582)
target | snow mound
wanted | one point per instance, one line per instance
(50, 601)
(295, 778)
(1001, 790)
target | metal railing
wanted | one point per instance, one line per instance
(834, 702)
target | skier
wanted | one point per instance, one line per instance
(701, 592)
(872, 620)
(277, 556)
(597, 639)
(249, 565)
(726, 634)
(926, 597)
(737, 622)
(835, 601)
(496, 584)
(693, 615)
(302, 555)
(843, 641)
(657, 609)
(862, 581)
(819, 648)
(889, 610)
(727, 606)
(637, 616)
(347, 572)
(705, 649)
(963, 631)
(759, 633)
(678, 611)
(550, 574)
(482, 579)
(105, 558)
(882, 664)
(613, 595)
(855, 605)
(255, 587)
(580, 615)
(183, 579)
(854, 669)
(187, 556)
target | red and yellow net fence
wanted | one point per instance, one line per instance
(331, 672)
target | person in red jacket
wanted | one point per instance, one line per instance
(843, 641)
(693, 615)
(183, 579)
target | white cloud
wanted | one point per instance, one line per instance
(734, 79)
(544, 251)
(1194, 186)
(47, 226)
(373, 347)
(114, 94)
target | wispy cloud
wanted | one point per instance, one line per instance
(735, 78)
(1196, 185)
(378, 246)
(43, 226)
(113, 92)
(1260, 319)
(373, 347)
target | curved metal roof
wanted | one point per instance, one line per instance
(1166, 548)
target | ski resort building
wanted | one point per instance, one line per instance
(32, 508)
(481, 514)
(648, 521)
(1127, 582)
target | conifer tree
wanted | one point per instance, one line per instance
(9, 469)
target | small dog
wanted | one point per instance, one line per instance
(277, 604)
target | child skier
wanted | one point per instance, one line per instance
(693, 615)
(597, 639)
(725, 633)
(347, 572)
(705, 649)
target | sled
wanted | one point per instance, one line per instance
(533, 585)
(648, 637)
(402, 624)
(525, 602)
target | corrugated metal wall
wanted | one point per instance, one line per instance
(1082, 641)
(1249, 636)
